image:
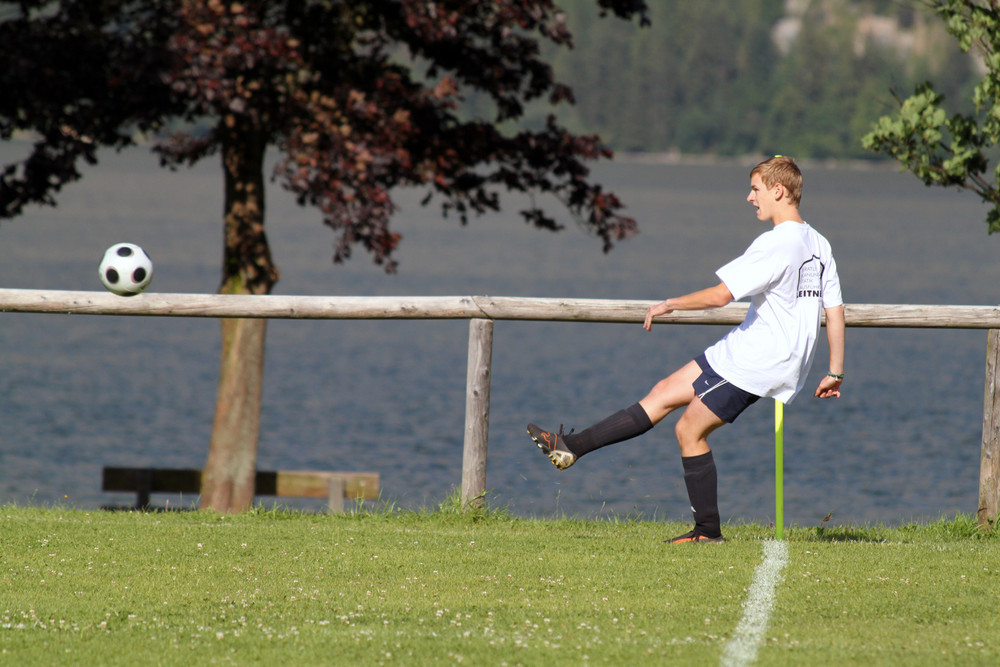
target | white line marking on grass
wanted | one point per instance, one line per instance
(749, 634)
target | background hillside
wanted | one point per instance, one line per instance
(800, 77)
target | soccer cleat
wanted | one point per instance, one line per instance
(553, 445)
(696, 537)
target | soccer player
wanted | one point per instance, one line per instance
(790, 276)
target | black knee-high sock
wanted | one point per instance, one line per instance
(702, 481)
(622, 425)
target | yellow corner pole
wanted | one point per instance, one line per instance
(779, 470)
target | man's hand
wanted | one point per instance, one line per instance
(829, 387)
(655, 311)
(713, 297)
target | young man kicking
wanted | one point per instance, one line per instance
(790, 275)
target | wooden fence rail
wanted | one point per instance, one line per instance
(482, 310)
(456, 308)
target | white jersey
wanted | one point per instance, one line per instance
(790, 276)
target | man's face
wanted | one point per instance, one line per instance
(762, 198)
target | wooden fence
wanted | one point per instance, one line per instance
(481, 311)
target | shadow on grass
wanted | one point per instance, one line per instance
(847, 534)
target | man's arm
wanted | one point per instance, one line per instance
(712, 297)
(829, 386)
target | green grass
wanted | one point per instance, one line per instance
(393, 587)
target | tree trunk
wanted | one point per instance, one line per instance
(227, 484)
(228, 480)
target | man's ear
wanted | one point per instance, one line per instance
(779, 192)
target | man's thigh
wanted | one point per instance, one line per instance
(674, 391)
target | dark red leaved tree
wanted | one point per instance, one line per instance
(358, 97)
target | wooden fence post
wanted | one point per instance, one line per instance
(989, 470)
(477, 411)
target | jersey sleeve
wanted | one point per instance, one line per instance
(752, 272)
(832, 296)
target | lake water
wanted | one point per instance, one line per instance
(80, 392)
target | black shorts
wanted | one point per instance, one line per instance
(719, 395)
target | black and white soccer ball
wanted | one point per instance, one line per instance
(126, 269)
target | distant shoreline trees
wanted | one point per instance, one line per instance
(747, 78)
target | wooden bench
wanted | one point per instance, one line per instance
(290, 483)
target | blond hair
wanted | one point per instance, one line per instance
(781, 170)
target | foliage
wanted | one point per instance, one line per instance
(85, 77)
(714, 78)
(360, 98)
(952, 150)
(708, 77)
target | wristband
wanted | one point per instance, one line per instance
(836, 376)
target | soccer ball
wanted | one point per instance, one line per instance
(126, 269)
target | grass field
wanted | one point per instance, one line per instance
(442, 587)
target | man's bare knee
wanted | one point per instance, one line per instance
(685, 432)
(693, 428)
